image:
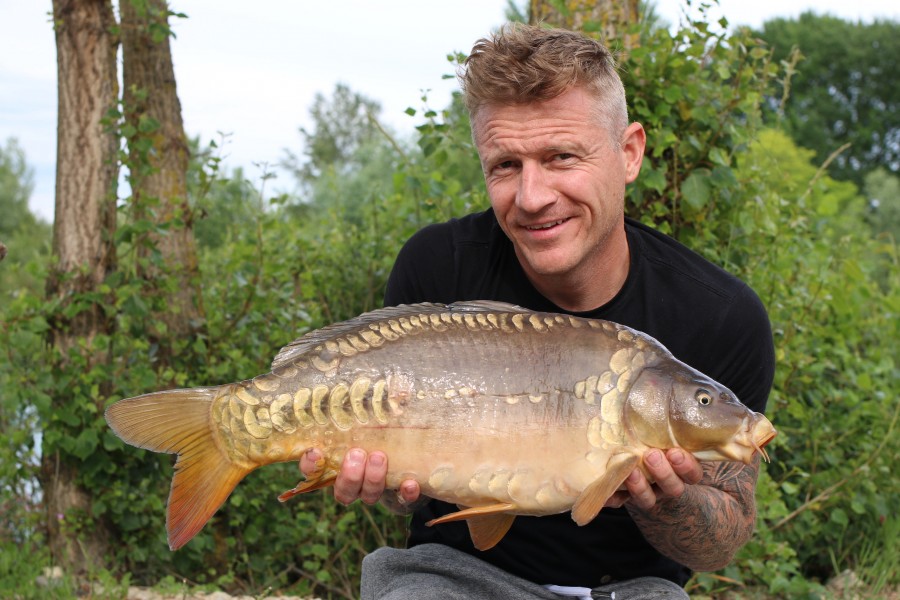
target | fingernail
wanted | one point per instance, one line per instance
(654, 458)
(676, 457)
(313, 454)
(635, 476)
(356, 456)
(376, 460)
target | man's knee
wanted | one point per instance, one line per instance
(395, 574)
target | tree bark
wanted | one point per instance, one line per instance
(611, 18)
(158, 163)
(83, 230)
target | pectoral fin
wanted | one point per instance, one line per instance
(487, 524)
(594, 496)
(322, 477)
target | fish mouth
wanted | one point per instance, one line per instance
(751, 437)
(764, 439)
(757, 432)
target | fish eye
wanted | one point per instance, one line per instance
(703, 397)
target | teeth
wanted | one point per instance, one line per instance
(545, 225)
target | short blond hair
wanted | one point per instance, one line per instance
(522, 63)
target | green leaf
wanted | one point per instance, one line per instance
(839, 516)
(673, 93)
(655, 179)
(789, 488)
(696, 189)
(719, 157)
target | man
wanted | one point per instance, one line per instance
(549, 120)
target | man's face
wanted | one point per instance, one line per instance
(556, 179)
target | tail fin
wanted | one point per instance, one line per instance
(179, 422)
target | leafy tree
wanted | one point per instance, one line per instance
(25, 236)
(16, 185)
(697, 91)
(85, 254)
(342, 125)
(883, 191)
(157, 162)
(22, 272)
(613, 19)
(843, 91)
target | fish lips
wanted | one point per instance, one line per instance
(751, 437)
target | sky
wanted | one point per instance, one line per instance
(251, 74)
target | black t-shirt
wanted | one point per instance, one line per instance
(706, 317)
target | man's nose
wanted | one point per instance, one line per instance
(535, 191)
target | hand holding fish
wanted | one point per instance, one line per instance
(362, 477)
(670, 473)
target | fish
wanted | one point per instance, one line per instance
(501, 410)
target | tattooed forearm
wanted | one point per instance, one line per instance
(703, 528)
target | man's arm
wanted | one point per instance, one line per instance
(703, 524)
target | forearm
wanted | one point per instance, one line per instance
(703, 528)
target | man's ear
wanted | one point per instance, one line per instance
(634, 140)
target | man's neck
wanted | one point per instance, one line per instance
(590, 286)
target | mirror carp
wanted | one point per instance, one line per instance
(501, 410)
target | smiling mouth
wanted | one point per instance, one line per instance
(545, 225)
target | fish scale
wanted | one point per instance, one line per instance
(501, 410)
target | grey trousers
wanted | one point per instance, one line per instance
(435, 571)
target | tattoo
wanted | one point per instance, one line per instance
(705, 527)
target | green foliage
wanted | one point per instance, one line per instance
(273, 268)
(21, 341)
(26, 237)
(801, 241)
(843, 90)
(883, 191)
(697, 92)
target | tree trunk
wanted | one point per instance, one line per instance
(158, 163)
(610, 18)
(83, 230)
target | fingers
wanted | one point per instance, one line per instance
(663, 473)
(685, 465)
(640, 491)
(409, 491)
(671, 473)
(362, 476)
(308, 461)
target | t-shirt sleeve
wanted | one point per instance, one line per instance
(424, 269)
(748, 358)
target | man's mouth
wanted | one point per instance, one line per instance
(541, 226)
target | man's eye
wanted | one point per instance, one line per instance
(563, 156)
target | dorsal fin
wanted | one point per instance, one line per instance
(336, 330)
(486, 306)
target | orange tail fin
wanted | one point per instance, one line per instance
(179, 422)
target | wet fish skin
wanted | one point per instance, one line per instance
(486, 405)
